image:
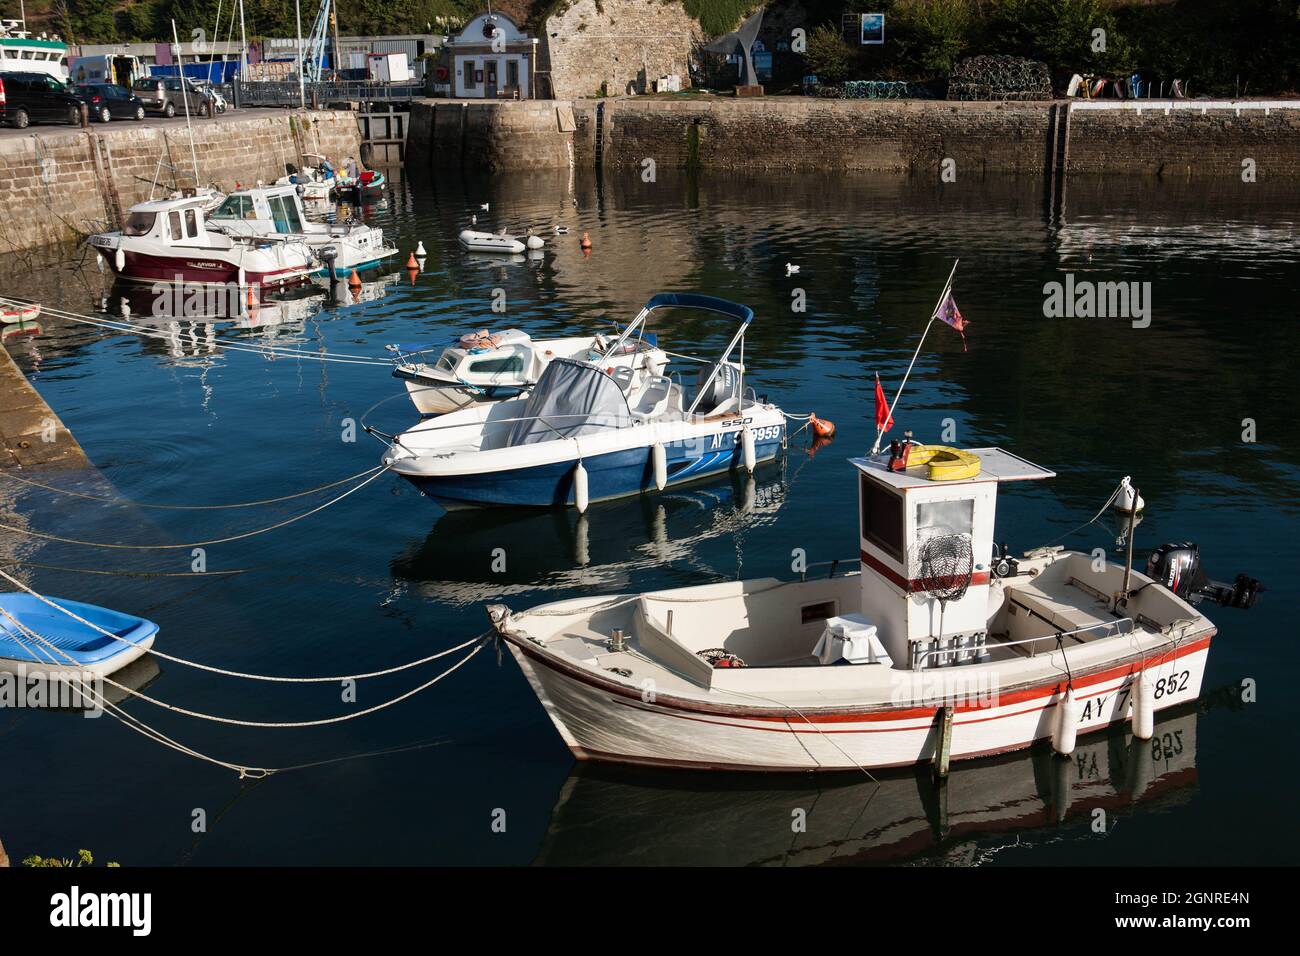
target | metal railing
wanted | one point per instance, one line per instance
(317, 95)
(982, 649)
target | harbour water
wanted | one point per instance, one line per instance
(385, 576)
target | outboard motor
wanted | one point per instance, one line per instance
(1178, 567)
(725, 385)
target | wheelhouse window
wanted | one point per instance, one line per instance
(513, 363)
(235, 207)
(882, 517)
(140, 223)
(191, 223)
(946, 517)
(174, 223)
(284, 213)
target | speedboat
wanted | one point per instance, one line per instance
(482, 368)
(937, 647)
(257, 236)
(591, 431)
(38, 640)
(499, 242)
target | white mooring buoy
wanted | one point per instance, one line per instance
(419, 249)
(1067, 723)
(1144, 706)
(1127, 499)
(747, 448)
(580, 487)
(660, 457)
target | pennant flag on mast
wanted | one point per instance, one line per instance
(949, 312)
(884, 420)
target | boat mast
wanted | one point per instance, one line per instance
(185, 98)
(334, 16)
(302, 89)
(243, 46)
(875, 449)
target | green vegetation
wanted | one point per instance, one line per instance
(84, 858)
(1218, 47)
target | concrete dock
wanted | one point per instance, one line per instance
(33, 436)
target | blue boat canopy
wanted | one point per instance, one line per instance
(708, 303)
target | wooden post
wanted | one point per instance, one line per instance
(943, 743)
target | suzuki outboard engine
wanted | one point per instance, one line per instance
(1178, 567)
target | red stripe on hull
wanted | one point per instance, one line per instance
(141, 267)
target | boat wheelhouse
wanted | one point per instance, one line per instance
(20, 52)
(936, 647)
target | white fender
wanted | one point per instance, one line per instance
(243, 277)
(119, 260)
(580, 487)
(660, 457)
(1067, 723)
(1144, 706)
(747, 447)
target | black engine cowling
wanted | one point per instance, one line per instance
(1178, 567)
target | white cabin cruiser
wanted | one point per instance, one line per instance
(482, 368)
(594, 431)
(948, 648)
(257, 236)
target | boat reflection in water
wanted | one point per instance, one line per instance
(607, 815)
(474, 556)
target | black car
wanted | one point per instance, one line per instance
(36, 97)
(106, 100)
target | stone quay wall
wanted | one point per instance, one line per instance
(1189, 139)
(58, 184)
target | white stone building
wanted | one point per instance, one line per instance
(492, 58)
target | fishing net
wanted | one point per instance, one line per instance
(945, 562)
(1000, 78)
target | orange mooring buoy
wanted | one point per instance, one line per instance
(411, 263)
(354, 280)
(821, 427)
(586, 241)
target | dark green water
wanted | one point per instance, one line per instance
(384, 577)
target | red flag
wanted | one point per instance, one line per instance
(884, 420)
(949, 312)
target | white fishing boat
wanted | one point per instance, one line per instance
(499, 242)
(483, 368)
(939, 647)
(257, 236)
(948, 648)
(591, 431)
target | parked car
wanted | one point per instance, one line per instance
(36, 98)
(166, 95)
(106, 100)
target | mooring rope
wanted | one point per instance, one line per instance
(222, 671)
(114, 325)
(129, 574)
(145, 504)
(195, 544)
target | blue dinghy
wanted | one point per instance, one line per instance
(90, 651)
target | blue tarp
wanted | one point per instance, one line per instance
(214, 72)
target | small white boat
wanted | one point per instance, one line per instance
(499, 242)
(14, 312)
(483, 368)
(593, 431)
(948, 648)
(313, 183)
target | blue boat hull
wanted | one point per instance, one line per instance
(613, 475)
(74, 645)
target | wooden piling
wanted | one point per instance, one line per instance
(943, 743)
